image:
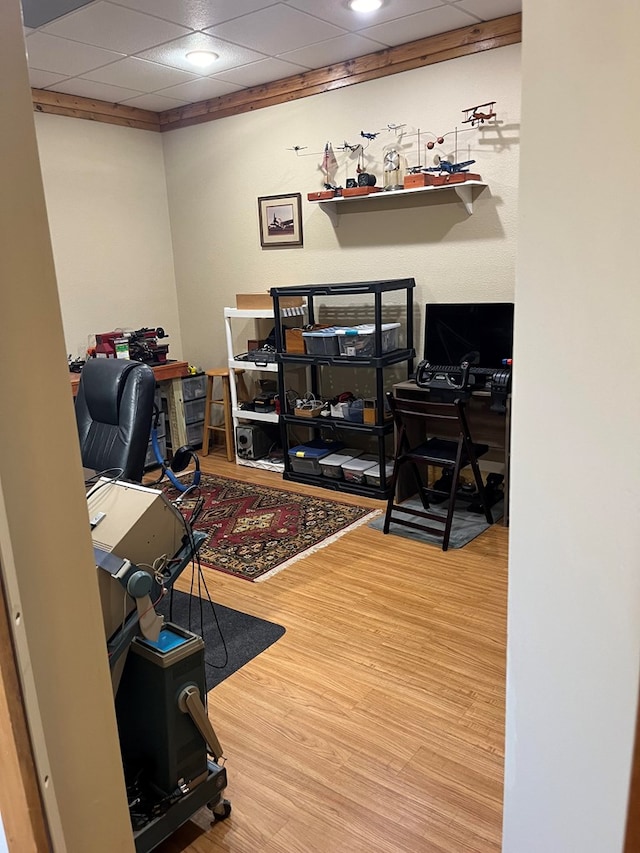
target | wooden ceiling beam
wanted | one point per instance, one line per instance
(74, 106)
(427, 51)
(463, 42)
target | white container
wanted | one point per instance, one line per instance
(331, 466)
(360, 342)
(372, 475)
(354, 470)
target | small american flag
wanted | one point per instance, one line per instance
(329, 162)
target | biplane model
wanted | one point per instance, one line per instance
(479, 114)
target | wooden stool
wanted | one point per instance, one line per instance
(227, 425)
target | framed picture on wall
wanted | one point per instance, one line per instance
(280, 221)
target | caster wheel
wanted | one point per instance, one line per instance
(220, 810)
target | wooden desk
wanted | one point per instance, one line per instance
(169, 377)
(486, 427)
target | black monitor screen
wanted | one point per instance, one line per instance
(454, 330)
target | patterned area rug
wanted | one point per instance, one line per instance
(254, 531)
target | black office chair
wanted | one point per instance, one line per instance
(114, 408)
(423, 418)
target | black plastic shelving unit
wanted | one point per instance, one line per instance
(378, 362)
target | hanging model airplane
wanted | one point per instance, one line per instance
(368, 135)
(479, 114)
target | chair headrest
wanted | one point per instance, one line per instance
(103, 381)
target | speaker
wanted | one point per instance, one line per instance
(252, 442)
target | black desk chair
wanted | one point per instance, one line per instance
(114, 407)
(451, 454)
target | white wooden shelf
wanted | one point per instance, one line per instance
(248, 415)
(264, 464)
(237, 366)
(269, 367)
(464, 191)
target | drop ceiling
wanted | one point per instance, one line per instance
(133, 51)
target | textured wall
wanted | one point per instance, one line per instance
(107, 206)
(216, 171)
(574, 582)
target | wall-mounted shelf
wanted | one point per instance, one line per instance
(464, 191)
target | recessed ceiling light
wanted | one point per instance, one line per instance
(364, 5)
(201, 58)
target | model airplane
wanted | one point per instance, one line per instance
(368, 135)
(479, 114)
(297, 148)
(451, 168)
(348, 147)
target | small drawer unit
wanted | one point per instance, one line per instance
(360, 342)
(194, 387)
(194, 433)
(194, 410)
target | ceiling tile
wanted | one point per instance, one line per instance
(39, 12)
(155, 103)
(114, 27)
(333, 50)
(261, 72)
(439, 20)
(140, 74)
(42, 79)
(337, 12)
(196, 14)
(486, 10)
(50, 53)
(277, 29)
(98, 91)
(174, 52)
(200, 90)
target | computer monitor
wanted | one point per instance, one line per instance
(454, 330)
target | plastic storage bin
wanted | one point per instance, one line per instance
(321, 342)
(354, 470)
(305, 458)
(194, 410)
(372, 475)
(194, 386)
(331, 466)
(360, 342)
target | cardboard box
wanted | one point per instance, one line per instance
(262, 301)
(294, 342)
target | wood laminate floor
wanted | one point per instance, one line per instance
(377, 722)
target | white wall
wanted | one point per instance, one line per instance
(216, 171)
(106, 200)
(46, 559)
(574, 580)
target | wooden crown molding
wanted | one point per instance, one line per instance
(463, 42)
(74, 106)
